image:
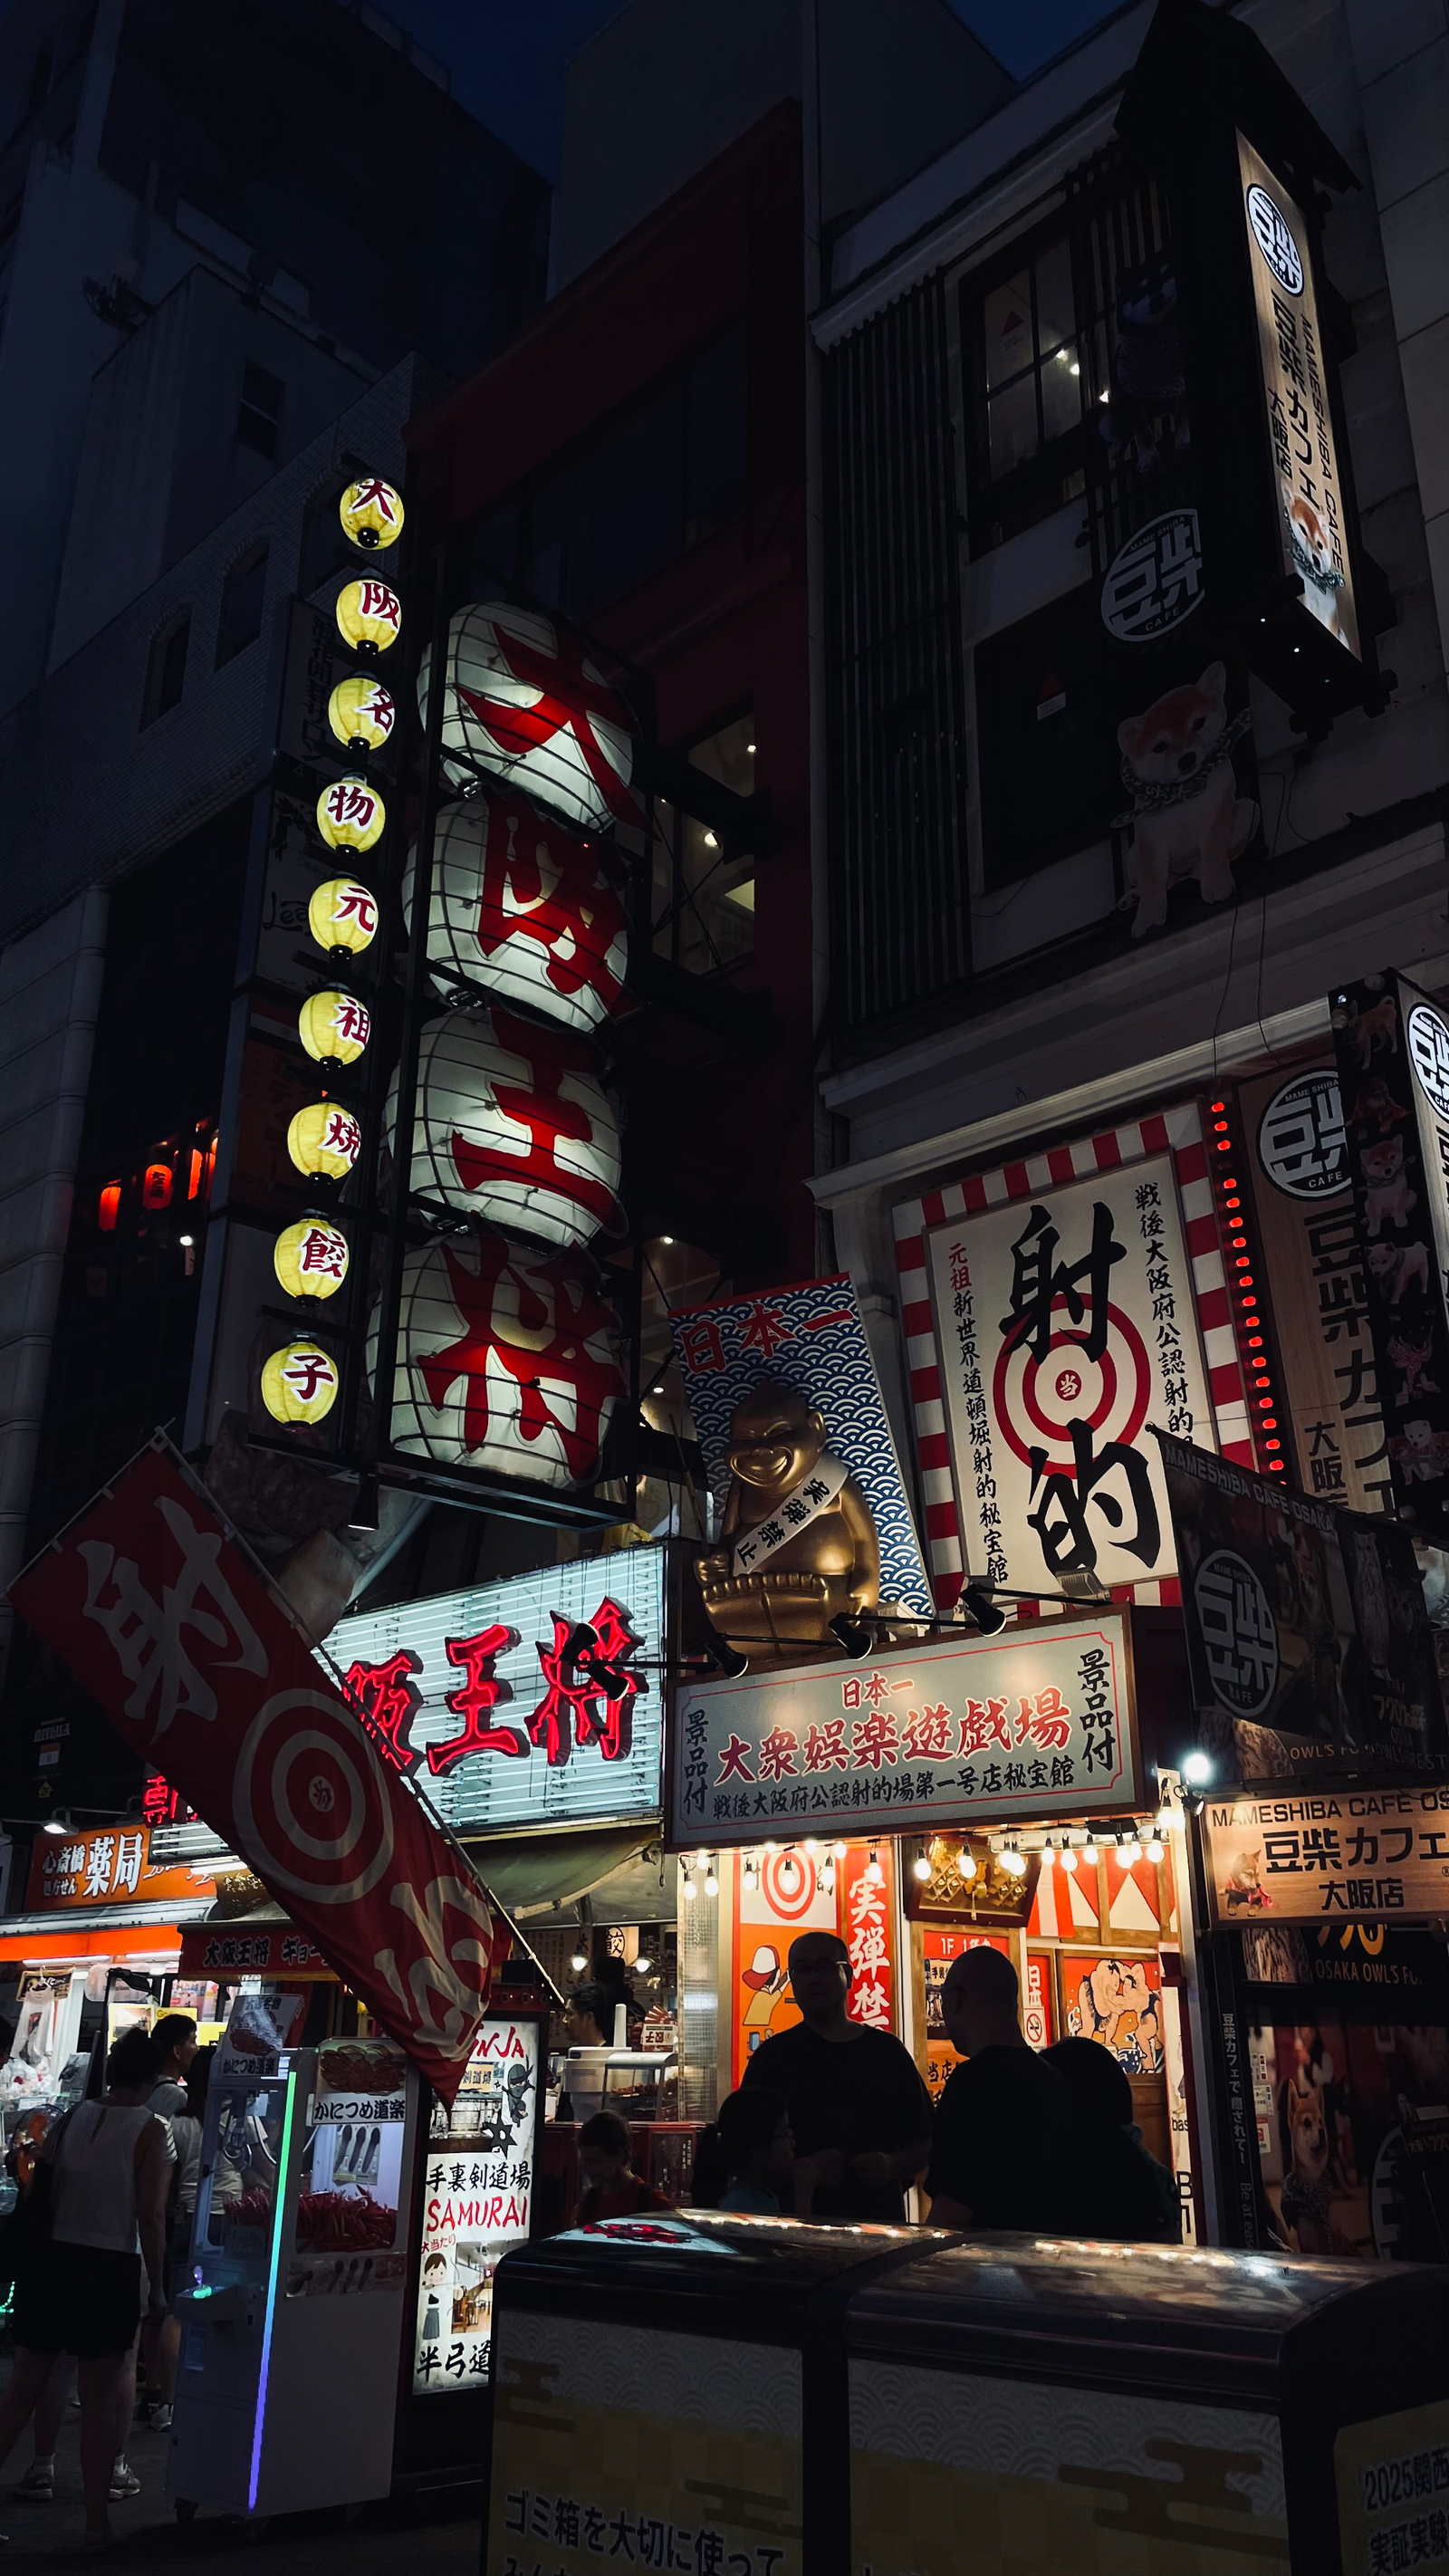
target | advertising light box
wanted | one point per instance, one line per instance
(535, 1701)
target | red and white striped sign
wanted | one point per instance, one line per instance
(1001, 1318)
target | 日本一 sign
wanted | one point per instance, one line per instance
(534, 1701)
(1361, 1853)
(945, 1732)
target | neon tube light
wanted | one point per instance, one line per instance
(282, 2172)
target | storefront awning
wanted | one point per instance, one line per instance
(530, 1873)
(100, 1932)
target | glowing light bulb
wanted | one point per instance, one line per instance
(1127, 1853)
(711, 1885)
(1156, 1850)
(837, 1851)
(1069, 1861)
(967, 1867)
(1048, 1857)
(1198, 1768)
(578, 1963)
(920, 1866)
(690, 1891)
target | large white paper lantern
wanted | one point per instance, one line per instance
(512, 1123)
(506, 1360)
(525, 703)
(523, 908)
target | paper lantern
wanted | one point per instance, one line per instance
(350, 814)
(361, 712)
(512, 1124)
(524, 704)
(333, 1027)
(369, 616)
(300, 1383)
(324, 1138)
(310, 1258)
(524, 909)
(506, 1360)
(371, 513)
(343, 914)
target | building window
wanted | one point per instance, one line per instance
(704, 897)
(645, 485)
(1019, 334)
(242, 595)
(259, 413)
(166, 669)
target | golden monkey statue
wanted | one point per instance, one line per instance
(800, 1544)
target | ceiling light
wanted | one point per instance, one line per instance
(1198, 1768)
(57, 1824)
(750, 748)
(666, 1238)
(710, 841)
(186, 1241)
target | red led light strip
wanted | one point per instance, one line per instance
(1242, 1269)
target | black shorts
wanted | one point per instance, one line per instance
(83, 2299)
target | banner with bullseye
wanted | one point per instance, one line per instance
(164, 1619)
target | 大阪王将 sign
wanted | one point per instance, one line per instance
(534, 1701)
(1035, 1722)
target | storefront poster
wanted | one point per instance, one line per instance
(346, 2234)
(1014, 1726)
(869, 1912)
(1392, 1047)
(109, 1866)
(1051, 2477)
(1308, 1639)
(613, 2441)
(1297, 1162)
(477, 2201)
(1347, 1855)
(1352, 2122)
(790, 1892)
(1117, 2002)
(204, 1672)
(811, 1338)
(47, 2024)
(938, 1949)
(1052, 1310)
(533, 1701)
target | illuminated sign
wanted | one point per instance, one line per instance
(1311, 511)
(535, 1701)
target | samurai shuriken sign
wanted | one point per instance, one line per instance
(164, 1620)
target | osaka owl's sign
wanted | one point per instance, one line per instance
(1311, 509)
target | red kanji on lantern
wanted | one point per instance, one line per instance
(479, 1692)
(356, 904)
(349, 802)
(566, 705)
(389, 1699)
(545, 1348)
(376, 600)
(542, 886)
(342, 1134)
(351, 1020)
(591, 1692)
(550, 1117)
(306, 1371)
(324, 1250)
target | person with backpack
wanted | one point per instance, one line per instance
(95, 2211)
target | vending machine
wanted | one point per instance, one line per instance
(292, 2318)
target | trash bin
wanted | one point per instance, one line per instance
(1020, 2406)
(671, 2393)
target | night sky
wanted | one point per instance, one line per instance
(508, 62)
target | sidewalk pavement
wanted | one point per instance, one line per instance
(366, 2540)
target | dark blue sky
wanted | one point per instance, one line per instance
(508, 62)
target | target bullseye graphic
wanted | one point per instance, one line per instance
(312, 1797)
(1036, 1400)
(789, 1883)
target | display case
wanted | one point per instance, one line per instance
(292, 2317)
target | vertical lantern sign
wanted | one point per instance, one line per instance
(506, 1360)
(313, 1258)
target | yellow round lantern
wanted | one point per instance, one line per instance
(343, 914)
(350, 814)
(361, 710)
(333, 1027)
(324, 1138)
(371, 513)
(300, 1383)
(368, 616)
(310, 1258)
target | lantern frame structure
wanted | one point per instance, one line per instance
(512, 1126)
(524, 703)
(523, 911)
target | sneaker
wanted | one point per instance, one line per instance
(124, 2482)
(38, 2484)
(161, 2419)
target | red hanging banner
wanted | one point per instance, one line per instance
(163, 1619)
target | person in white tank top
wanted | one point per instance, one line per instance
(110, 2166)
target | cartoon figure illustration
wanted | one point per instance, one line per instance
(1411, 1359)
(1187, 817)
(1387, 1195)
(1244, 1882)
(435, 2274)
(1421, 1452)
(1376, 1027)
(517, 2085)
(771, 2005)
(1308, 2159)
(1399, 1266)
(800, 1544)
(1148, 385)
(1312, 549)
(1376, 1108)
(1116, 2005)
